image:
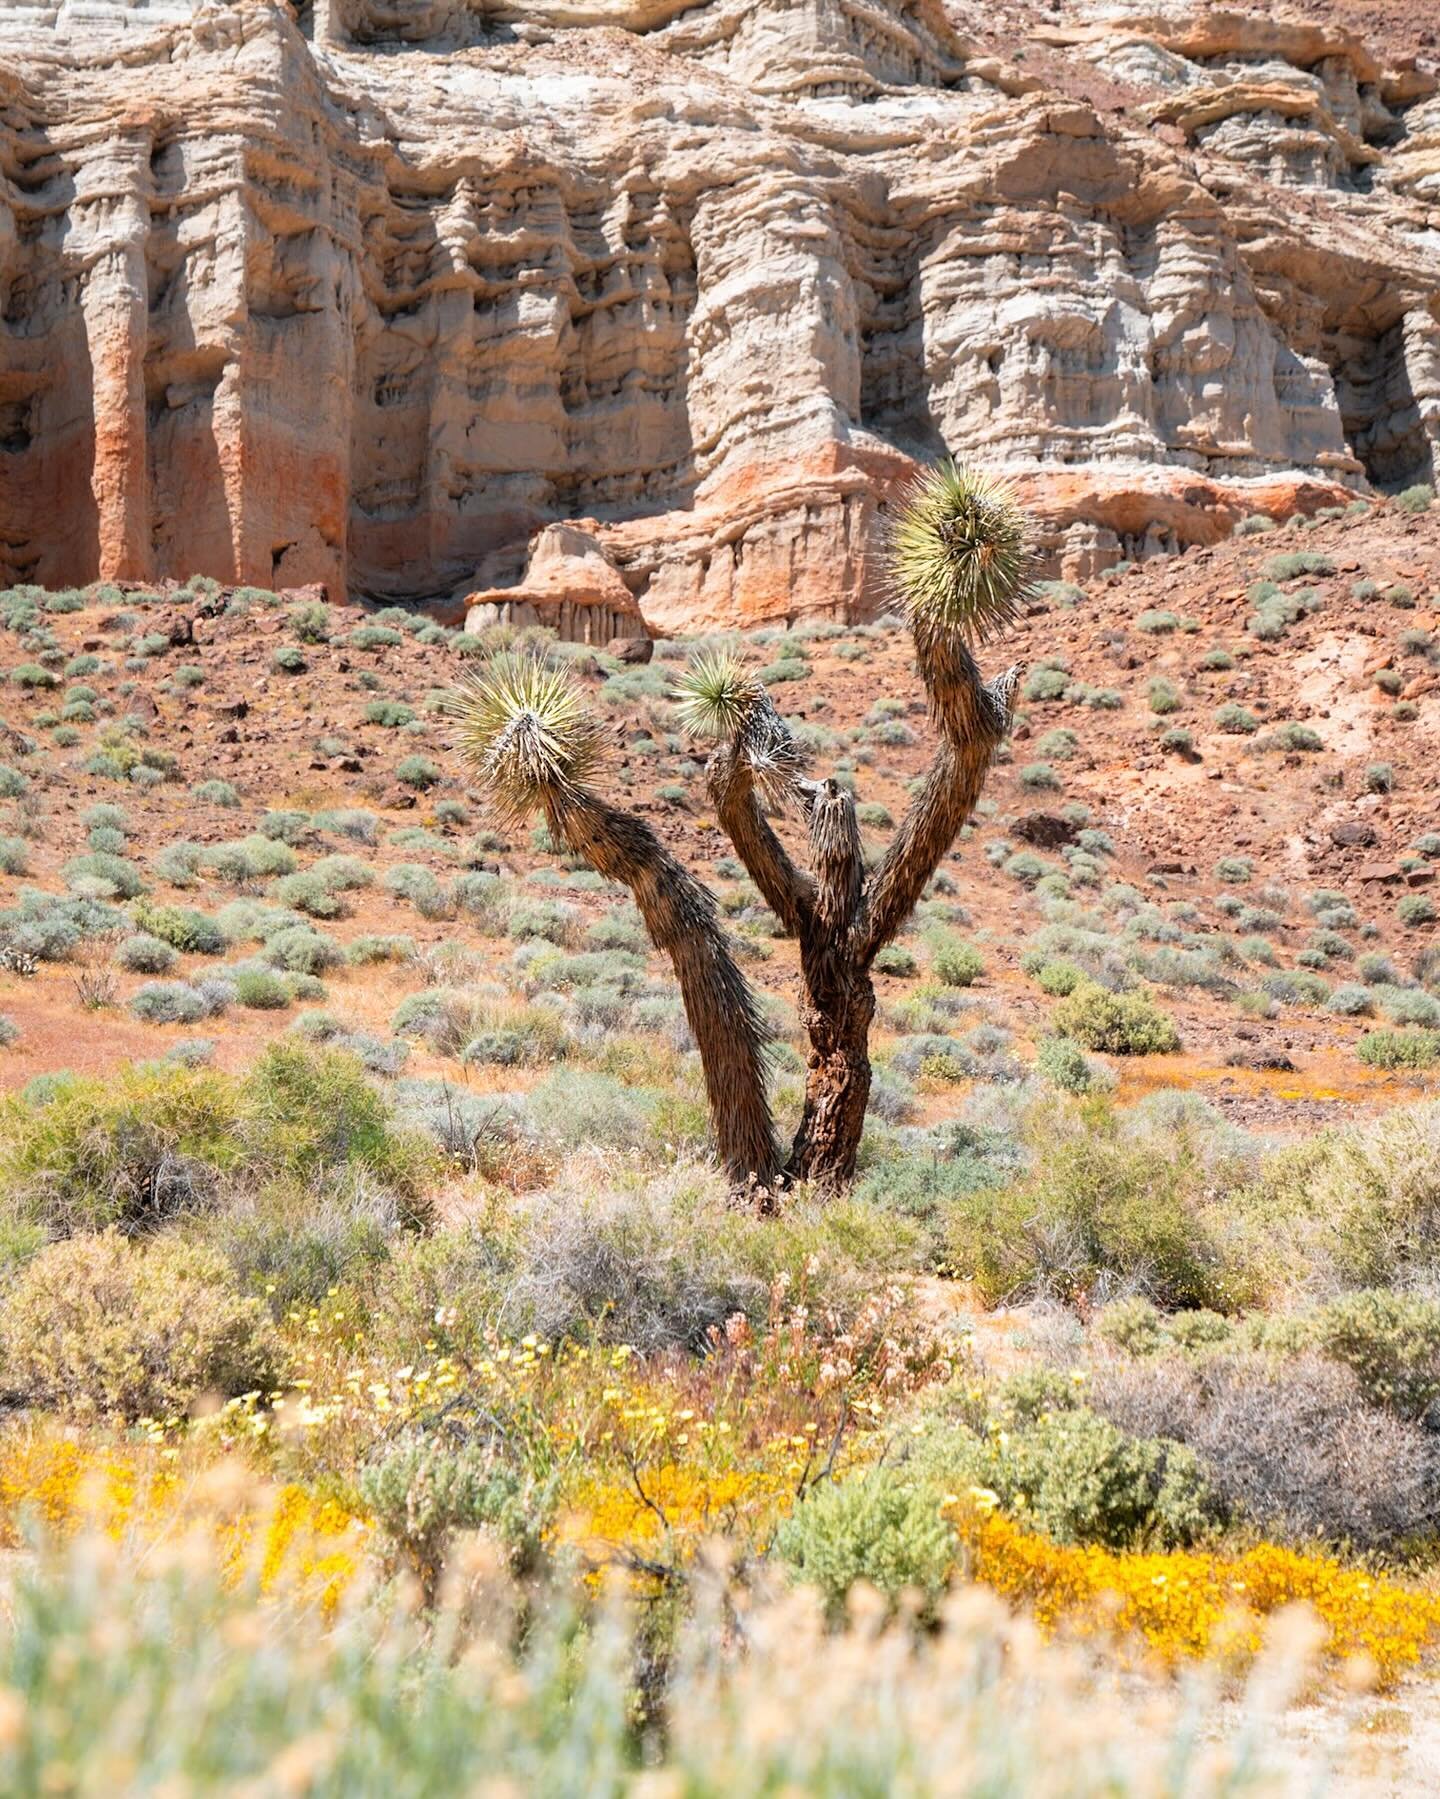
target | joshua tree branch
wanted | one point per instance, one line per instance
(680, 916)
(973, 717)
(787, 890)
(836, 859)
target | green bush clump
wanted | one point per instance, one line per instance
(31, 675)
(1045, 681)
(364, 952)
(144, 954)
(1065, 1065)
(1157, 622)
(140, 1146)
(102, 1326)
(421, 1490)
(1415, 909)
(261, 990)
(417, 771)
(14, 856)
(1417, 498)
(1399, 1049)
(1057, 977)
(1291, 564)
(300, 950)
(286, 826)
(170, 1002)
(1039, 777)
(179, 864)
(871, 1528)
(310, 621)
(184, 928)
(1078, 1478)
(414, 882)
(789, 668)
(216, 793)
(342, 874)
(1162, 696)
(1357, 1207)
(120, 877)
(307, 892)
(392, 713)
(1390, 1341)
(1351, 1000)
(895, 959)
(374, 637)
(953, 961)
(1237, 720)
(1120, 1024)
(1100, 1212)
(1293, 736)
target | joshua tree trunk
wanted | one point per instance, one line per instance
(837, 1084)
(960, 561)
(680, 916)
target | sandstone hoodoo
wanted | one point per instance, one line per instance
(369, 295)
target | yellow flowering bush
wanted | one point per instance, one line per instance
(141, 1490)
(1186, 1604)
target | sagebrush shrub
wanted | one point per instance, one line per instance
(1121, 1024)
(869, 1528)
(953, 961)
(104, 1326)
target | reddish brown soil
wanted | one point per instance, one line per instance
(1170, 815)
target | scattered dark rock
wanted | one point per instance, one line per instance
(630, 649)
(1353, 834)
(1045, 830)
(1263, 1060)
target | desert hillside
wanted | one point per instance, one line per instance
(1222, 778)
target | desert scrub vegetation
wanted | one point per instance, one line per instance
(1122, 1024)
(160, 1141)
(556, 1708)
(105, 1326)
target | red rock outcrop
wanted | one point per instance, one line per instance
(371, 293)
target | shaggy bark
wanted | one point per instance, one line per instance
(680, 916)
(840, 919)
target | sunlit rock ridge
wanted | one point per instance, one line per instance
(369, 293)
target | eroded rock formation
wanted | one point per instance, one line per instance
(371, 291)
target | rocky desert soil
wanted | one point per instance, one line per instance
(1357, 674)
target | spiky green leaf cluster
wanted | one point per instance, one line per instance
(961, 552)
(718, 697)
(525, 732)
(715, 695)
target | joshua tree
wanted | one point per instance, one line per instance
(960, 558)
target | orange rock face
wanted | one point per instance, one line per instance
(377, 297)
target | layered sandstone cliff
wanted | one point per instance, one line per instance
(370, 291)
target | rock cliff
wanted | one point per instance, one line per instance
(371, 291)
